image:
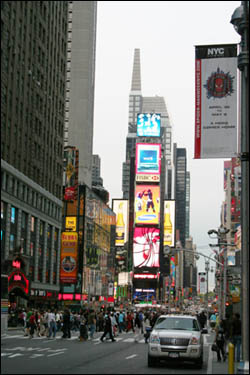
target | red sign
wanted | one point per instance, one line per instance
(17, 279)
(69, 193)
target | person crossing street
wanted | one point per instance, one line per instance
(108, 327)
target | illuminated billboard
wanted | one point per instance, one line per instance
(120, 208)
(146, 247)
(69, 249)
(169, 223)
(147, 204)
(148, 125)
(148, 158)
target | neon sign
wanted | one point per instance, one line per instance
(16, 264)
(17, 279)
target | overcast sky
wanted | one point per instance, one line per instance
(166, 32)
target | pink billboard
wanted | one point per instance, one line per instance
(146, 247)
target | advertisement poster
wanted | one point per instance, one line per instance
(69, 247)
(147, 204)
(202, 283)
(71, 155)
(120, 208)
(148, 125)
(169, 223)
(146, 247)
(215, 101)
(148, 158)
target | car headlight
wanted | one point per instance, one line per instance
(154, 339)
(194, 341)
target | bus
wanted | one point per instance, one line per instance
(4, 303)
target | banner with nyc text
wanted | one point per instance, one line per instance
(215, 101)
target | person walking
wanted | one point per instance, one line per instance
(52, 324)
(212, 321)
(83, 328)
(147, 327)
(121, 322)
(130, 322)
(226, 323)
(32, 324)
(236, 335)
(66, 324)
(202, 318)
(108, 327)
(220, 341)
(92, 323)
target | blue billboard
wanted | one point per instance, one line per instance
(148, 125)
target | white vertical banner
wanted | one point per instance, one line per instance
(215, 101)
(202, 283)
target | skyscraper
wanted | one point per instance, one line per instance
(79, 113)
(33, 66)
(141, 104)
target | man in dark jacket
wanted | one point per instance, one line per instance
(108, 327)
(66, 324)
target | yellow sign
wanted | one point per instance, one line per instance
(70, 223)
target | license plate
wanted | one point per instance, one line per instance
(173, 355)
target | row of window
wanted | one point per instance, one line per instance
(26, 194)
(44, 253)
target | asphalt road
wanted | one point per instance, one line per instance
(21, 355)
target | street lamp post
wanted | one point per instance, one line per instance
(220, 235)
(207, 270)
(240, 21)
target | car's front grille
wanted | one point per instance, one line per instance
(174, 341)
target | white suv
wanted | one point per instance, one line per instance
(177, 337)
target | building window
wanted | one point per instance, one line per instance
(12, 242)
(13, 215)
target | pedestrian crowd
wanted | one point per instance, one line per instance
(226, 330)
(51, 322)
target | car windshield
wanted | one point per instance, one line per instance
(177, 324)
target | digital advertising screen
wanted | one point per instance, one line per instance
(147, 204)
(148, 125)
(148, 158)
(146, 246)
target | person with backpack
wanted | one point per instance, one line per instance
(220, 341)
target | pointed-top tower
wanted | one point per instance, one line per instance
(136, 76)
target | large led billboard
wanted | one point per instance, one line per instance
(120, 208)
(147, 204)
(146, 247)
(169, 223)
(148, 125)
(148, 158)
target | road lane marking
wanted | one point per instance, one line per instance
(15, 355)
(132, 356)
(51, 355)
(37, 355)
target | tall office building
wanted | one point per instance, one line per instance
(33, 65)
(96, 171)
(79, 111)
(141, 104)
